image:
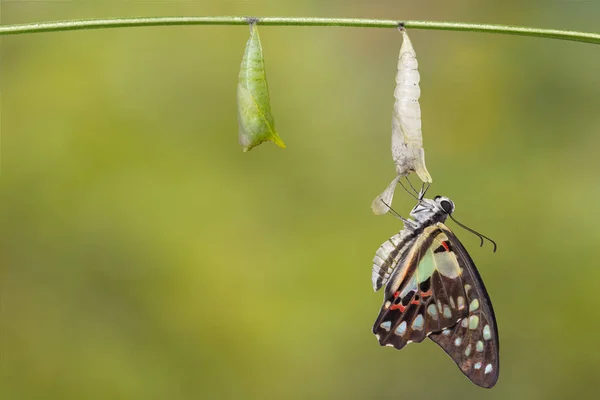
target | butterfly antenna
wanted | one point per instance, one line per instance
(408, 191)
(481, 237)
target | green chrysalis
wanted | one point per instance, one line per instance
(256, 123)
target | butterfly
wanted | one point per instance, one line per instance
(434, 290)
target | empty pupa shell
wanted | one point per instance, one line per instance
(256, 123)
(407, 138)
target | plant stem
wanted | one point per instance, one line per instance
(71, 25)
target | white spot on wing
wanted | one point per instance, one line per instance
(418, 322)
(477, 365)
(479, 346)
(401, 329)
(488, 369)
(474, 305)
(461, 302)
(487, 334)
(458, 341)
(473, 322)
(447, 312)
(432, 311)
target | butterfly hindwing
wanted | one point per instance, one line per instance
(473, 342)
(421, 294)
(436, 291)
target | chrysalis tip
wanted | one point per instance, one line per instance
(246, 147)
(277, 140)
(423, 174)
(421, 169)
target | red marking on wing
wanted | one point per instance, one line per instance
(398, 306)
(445, 244)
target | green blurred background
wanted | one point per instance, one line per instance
(144, 256)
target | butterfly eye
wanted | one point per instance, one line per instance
(446, 206)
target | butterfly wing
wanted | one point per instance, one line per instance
(473, 342)
(436, 291)
(423, 293)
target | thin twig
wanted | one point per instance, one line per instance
(71, 25)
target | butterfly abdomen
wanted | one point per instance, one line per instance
(387, 257)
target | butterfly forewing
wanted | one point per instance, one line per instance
(473, 342)
(436, 291)
(421, 294)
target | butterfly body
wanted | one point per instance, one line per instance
(432, 289)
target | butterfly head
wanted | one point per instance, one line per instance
(445, 204)
(437, 209)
